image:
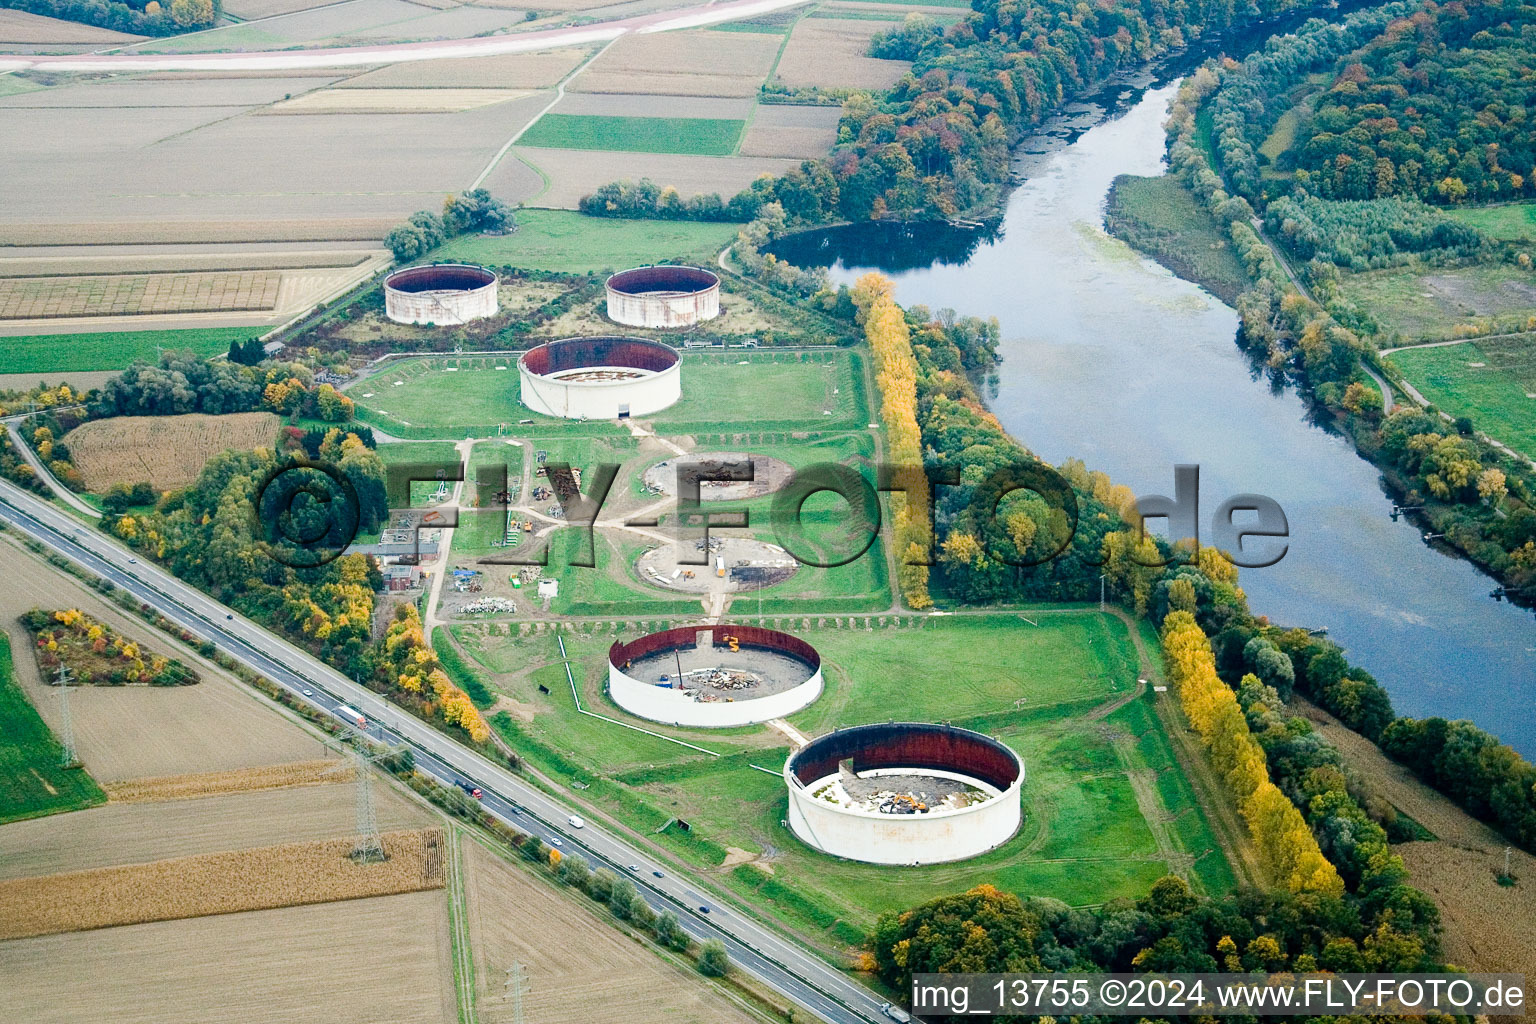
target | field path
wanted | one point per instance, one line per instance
(69, 497)
(357, 56)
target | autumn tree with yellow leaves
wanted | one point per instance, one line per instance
(413, 668)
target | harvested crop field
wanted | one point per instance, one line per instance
(511, 71)
(22, 27)
(197, 785)
(693, 63)
(785, 131)
(117, 232)
(832, 53)
(578, 172)
(511, 917)
(167, 451)
(122, 833)
(266, 966)
(393, 101)
(171, 263)
(116, 295)
(246, 10)
(229, 882)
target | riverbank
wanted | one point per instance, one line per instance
(1160, 219)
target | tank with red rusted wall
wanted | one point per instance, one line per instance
(440, 293)
(663, 296)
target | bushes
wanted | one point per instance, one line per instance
(1370, 234)
(183, 16)
(423, 231)
(1486, 777)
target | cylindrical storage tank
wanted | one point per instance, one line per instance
(737, 675)
(979, 777)
(663, 296)
(601, 378)
(440, 293)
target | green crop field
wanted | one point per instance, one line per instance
(1107, 810)
(697, 136)
(110, 350)
(1493, 394)
(31, 782)
(569, 243)
(1506, 221)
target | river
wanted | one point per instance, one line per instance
(1109, 358)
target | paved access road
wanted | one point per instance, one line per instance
(753, 948)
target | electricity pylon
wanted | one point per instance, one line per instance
(516, 987)
(70, 758)
(369, 846)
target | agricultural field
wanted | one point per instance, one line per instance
(509, 71)
(54, 354)
(1432, 303)
(788, 131)
(352, 23)
(167, 451)
(21, 27)
(569, 243)
(1507, 221)
(698, 136)
(32, 783)
(27, 299)
(511, 916)
(833, 53)
(691, 63)
(394, 101)
(1490, 381)
(321, 772)
(266, 965)
(569, 174)
(1107, 808)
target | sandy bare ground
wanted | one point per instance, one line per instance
(568, 948)
(575, 173)
(260, 967)
(393, 101)
(832, 52)
(1487, 926)
(513, 71)
(130, 732)
(698, 63)
(804, 132)
(21, 27)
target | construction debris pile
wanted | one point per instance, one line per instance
(488, 604)
(898, 793)
(467, 581)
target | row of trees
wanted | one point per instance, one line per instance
(890, 343)
(1437, 109)
(409, 668)
(1287, 846)
(475, 210)
(1371, 234)
(184, 382)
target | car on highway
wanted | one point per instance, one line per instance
(634, 867)
(308, 693)
(229, 616)
(658, 874)
(133, 561)
(557, 841)
(703, 910)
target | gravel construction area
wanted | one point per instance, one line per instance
(718, 672)
(750, 565)
(832, 53)
(768, 475)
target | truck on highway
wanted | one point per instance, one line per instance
(350, 715)
(472, 789)
(896, 1013)
(575, 822)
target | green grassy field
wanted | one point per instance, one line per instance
(696, 136)
(31, 782)
(1158, 217)
(1506, 221)
(1086, 838)
(477, 399)
(1493, 394)
(1430, 303)
(748, 389)
(569, 243)
(56, 354)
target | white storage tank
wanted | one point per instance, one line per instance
(663, 296)
(440, 293)
(600, 378)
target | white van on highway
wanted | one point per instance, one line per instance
(575, 822)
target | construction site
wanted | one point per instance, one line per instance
(717, 475)
(714, 675)
(730, 565)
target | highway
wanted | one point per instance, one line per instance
(753, 948)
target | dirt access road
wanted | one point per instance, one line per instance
(354, 56)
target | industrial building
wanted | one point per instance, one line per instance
(904, 793)
(600, 378)
(440, 293)
(714, 676)
(663, 296)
